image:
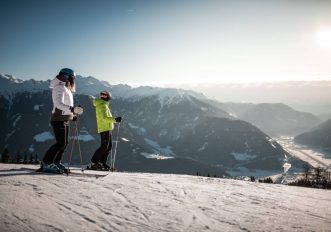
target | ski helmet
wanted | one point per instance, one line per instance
(105, 95)
(68, 76)
(67, 72)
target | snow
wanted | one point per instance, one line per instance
(31, 201)
(310, 157)
(165, 151)
(313, 157)
(141, 130)
(31, 148)
(286, 167)
(165, 95)
(18, 118)
(84, 135)
(125, 139)
(243, 156)
(205, 144)
(155, 156)
(272, 141)
(243, 171)
(44, 136)
(37, 107)
(10, 134)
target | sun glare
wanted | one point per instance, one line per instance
(323, 38)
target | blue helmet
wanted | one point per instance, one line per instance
(67, 72)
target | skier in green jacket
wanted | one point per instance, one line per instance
(105, 123)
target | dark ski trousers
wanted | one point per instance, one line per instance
(55, 152)
(101, 154)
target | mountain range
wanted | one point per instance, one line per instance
(182, 130)
(306, 96)
(320, 136)
(278, 119)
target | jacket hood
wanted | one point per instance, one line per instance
(99, 101)
(56, 82)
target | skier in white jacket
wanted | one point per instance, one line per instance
(63, 85)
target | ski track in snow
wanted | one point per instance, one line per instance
(31, 201)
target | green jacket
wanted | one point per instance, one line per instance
(105, 120)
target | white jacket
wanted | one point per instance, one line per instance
(62, 100)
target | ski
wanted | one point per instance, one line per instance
(82, 174)
(102, 170)
(87, 173)
(41, 170)
(72, 172)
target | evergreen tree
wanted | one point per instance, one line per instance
(18, 157)
(25, 158)
(36, 160)
(5, 157)
(31, 158)
(319, 172)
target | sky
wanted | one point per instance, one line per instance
(167, 42)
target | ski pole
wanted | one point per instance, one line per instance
(79, 150)
(71, 149)
(76, 136)
(113, 163)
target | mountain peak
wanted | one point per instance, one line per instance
(10, 78)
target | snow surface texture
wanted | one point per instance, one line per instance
(31, 201)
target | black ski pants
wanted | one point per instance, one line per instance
(101, 154)
(55, 152)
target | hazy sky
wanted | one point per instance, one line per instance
(169, 41)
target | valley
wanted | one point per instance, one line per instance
(315, 157)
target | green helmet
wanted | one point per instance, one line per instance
(67, 72)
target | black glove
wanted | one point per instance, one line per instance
(118, 119)
(74, 118)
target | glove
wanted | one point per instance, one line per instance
(77, 110)
(118, 119)
(74, 118)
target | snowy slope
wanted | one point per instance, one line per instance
(32, 201)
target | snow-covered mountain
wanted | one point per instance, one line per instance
(9, 85)
(128, 202)
(185, 128)
(158, 123)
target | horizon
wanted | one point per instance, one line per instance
(177, 84)
(307, 95)
(172, 42)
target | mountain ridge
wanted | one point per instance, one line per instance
(172, 123)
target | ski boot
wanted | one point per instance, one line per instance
(49, 168)
(105, 167)
(62, 168)
(95, 166)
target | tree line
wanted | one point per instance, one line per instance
(317, 177)
(18, 158)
